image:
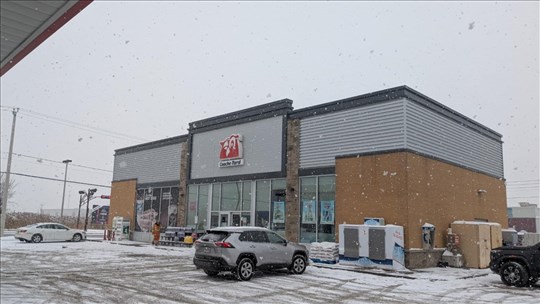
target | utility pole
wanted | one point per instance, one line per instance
(67, 161)
(8, 171)
(88, 198)
(81, 202)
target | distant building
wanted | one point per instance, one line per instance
(525, 217)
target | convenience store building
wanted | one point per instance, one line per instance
(395, 155)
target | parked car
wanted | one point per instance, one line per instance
(243, 250)
(49, 232)
(517, 265)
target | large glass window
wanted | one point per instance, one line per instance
(326, 205)
(262, 204)
(278, 207)
(231, 197)
(216, 195)
(308, 201)
(317, 203)
(156, 204)
(192, 205)
(173, 207)
(202, 207)
(246, 196)
(231, 203)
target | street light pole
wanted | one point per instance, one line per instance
(8, 171)
(67, 161)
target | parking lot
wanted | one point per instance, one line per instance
(129, 272)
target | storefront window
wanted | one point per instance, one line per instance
(308, 199)
(317, 203)
(262, 204)
(155, 204)
(326, 204)
(246, 196)
(173, 207)
(231, 197)
(214, 219)
(202, 207)
(278, 207)
(192, 205)
(216, 192)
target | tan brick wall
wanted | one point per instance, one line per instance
(123, 197)
(292, 222)
(410, 190)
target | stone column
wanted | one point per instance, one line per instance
(292, 222)
(182, 191)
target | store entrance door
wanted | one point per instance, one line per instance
(230, 219)
(224, 219)
(236, 219)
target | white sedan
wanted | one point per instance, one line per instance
(49, 232)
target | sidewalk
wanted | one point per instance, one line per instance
(431, 274)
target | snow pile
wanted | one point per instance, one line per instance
(324, 252)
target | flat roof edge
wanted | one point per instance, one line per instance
(393, 94)
(153, 144)
(260, 110)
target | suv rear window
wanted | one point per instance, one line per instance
(214, 236)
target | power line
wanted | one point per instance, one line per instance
(77, 125)
(58, 180)
(56, 161)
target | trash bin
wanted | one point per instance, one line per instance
(428, 236)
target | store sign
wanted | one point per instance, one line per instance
(232, 151)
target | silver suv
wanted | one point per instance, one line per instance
(242, 250)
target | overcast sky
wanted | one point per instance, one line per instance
(147, 69)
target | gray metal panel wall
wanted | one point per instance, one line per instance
(262, 141)
(149, 166)
(371, 128)
(441, 137)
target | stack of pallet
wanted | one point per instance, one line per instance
(324, 252)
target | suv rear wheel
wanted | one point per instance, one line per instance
(514, 274)
(245, 269)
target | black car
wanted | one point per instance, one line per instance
(517, 265)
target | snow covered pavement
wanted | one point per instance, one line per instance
(130, 272)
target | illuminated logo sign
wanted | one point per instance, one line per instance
(232, 151)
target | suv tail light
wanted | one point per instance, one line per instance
(224, 244)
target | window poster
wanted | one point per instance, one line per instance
(327, 212)
(308, 212)
(173, 215)
(279, 212)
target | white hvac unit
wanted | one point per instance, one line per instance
(374, 221)
(372, 246)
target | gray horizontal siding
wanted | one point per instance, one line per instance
(398, 124)
(149, 166)
(365, 129)
(443, 138)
